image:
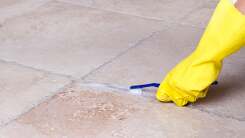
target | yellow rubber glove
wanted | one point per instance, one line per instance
(191, 78)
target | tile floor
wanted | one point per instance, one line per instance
(66, 66)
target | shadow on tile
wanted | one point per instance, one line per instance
(231, 86)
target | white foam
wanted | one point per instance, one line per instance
(136, 91)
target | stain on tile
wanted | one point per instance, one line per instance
(77, 113)
(86, 112)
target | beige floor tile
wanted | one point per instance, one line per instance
(188, 12)
(4, 3)
(226, 99)
(168, 10)
(80, 113)
(201, 16)
(69, 39)
(111, 44)
(14, 8)
(23, 88)
(151, 61)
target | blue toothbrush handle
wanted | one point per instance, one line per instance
(154, 85)
(144, 86)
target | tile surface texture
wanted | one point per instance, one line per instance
(89, 37)
(66, 65)
(78, 112)
(21, 89)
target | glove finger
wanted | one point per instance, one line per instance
(178, 99)
(203, 93)
(188, 96)
(163, 97)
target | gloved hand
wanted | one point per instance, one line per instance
(191, 78)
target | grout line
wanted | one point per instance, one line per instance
(189, 24)
(108, 86)
(111, 86)
(113, 11)
(120, 88)
(137, 44)
(137, 16)
(104, 85)
(44, 99)
(217, 114)
(20, 9)
(191, 11)
(36, 69)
